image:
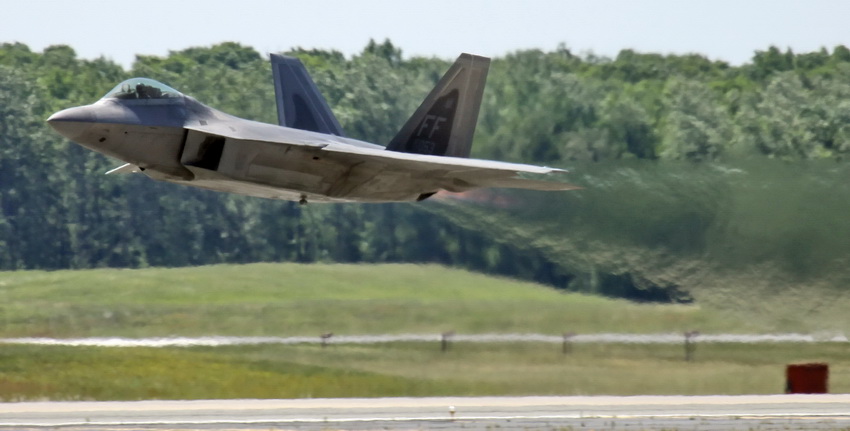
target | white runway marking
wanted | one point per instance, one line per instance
(212, 341)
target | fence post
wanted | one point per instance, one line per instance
(567, 346)
(444, 340)
(690, 345)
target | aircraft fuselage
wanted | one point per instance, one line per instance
(170, 136)
(182, 140)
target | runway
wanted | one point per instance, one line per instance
(757, 412)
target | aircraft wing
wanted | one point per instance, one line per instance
(329, 168)
(454, 174)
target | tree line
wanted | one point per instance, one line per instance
(57, 210)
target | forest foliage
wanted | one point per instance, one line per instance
(684, 161)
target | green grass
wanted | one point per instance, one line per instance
(595, 369)
(403, 369)
(292, 299)
(295, 299)
(84, 373)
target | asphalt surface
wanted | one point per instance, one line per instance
(771, 412)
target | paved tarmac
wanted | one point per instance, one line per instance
(771, 412)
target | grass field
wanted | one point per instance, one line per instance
(293, 300)
(403, 369)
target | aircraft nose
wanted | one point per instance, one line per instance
(72, 122)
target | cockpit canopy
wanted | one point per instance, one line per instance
(142, 89)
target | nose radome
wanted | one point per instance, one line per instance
(72, 122)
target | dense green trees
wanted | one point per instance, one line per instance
(594, 114)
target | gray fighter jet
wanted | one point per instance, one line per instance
(170, 136)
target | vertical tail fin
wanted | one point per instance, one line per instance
(444, 123)
(300, 105)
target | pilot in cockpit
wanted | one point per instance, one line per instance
(141, 90)
(147, 92)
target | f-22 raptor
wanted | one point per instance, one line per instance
(170, 136)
